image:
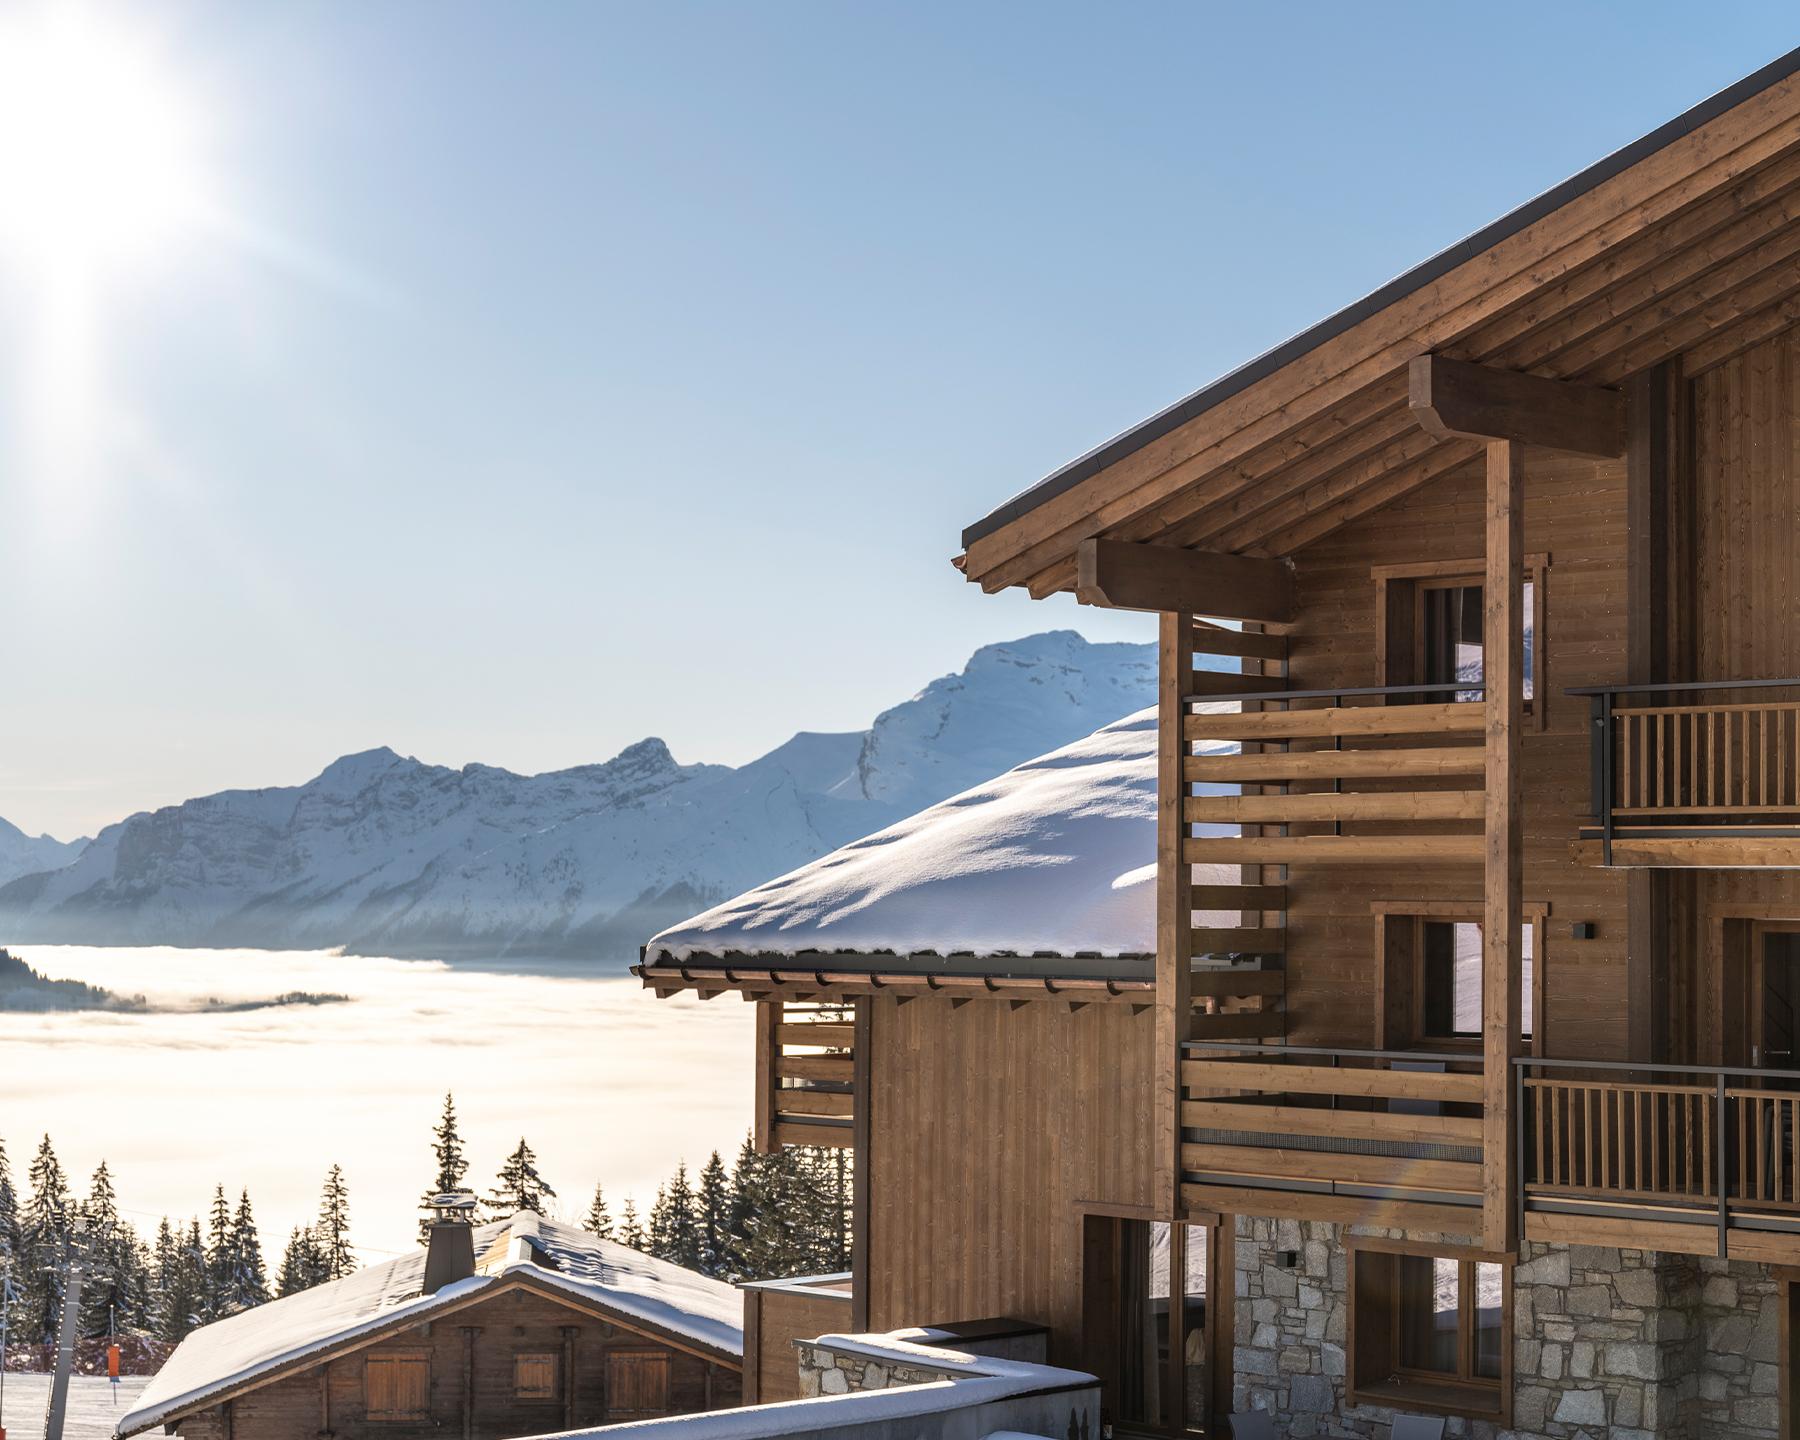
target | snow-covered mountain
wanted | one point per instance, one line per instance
(22, 854)
(384, 854)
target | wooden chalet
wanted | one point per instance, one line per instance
(520, 1327)
(1501, 793)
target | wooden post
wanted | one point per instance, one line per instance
(1503, 655)
(468, 1381)
(569, 1332)
(1174, 905)
(768, 1051)
(862, 1130)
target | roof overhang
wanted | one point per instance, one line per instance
(834, 975)
(1681, 245)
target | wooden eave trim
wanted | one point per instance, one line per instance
(770, 981)
(1706, 157)
(363, 1340)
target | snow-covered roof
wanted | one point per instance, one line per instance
(1056, 857)
(601, 1273)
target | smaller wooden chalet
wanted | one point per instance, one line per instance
(520, 1327)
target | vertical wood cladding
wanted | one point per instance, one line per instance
(514, 1324)
(1745, 556)
(992, 1127)
(1575, 513)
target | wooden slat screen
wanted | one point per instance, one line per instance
(1690, 759)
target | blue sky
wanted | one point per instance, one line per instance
(556, 374)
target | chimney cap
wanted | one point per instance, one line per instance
(452, 1206)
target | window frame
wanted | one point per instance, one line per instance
(553, 1391)
(1400, 1000)
(1465, 1394)
(1397, 647)
(415, 1356)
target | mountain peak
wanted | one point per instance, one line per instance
(349, 773)
(649, 753)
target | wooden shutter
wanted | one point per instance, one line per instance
(637, 1384)
(534, 1376)
(398, 1386)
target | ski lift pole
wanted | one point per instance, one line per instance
(112, 1353)
(65, 1337)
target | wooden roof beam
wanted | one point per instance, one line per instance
(1457, 400)
(1119, 575)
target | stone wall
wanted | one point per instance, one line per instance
(827, 1371)
(1607, 1344)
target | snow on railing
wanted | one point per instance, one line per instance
(972, 1397)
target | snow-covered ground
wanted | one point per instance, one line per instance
(94, 1406)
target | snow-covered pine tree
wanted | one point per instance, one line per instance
(712, 1212)
(745, 1197)
(184, 1293)
(302, 1263)
(332, 1233)
(674, 1228)
(44, 1235)
(11, 1250)
(598, 1220)
(110, 1250)
(218, 1253)
(247, 1282)
(631, 1233)
(162, 1273)
(447, 1152)
(518, 1186)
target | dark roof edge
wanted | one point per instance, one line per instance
(1232, 382)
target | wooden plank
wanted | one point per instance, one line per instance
(838, 1068)
(1338, 849)
(1236, 983)
(794, 1132)
(1208, 940)
(1503, 642)
(1646, 1232)
(1449, 718)
(1458, 400)
(826, 1033)
(1393, 1128)
(1122, 576)
(1315, 808)
(1238, 644)
(1223, 684)
(1331, 1080)
(1419, 1217)
(1277, 1163)
(1444, 760)
(834, 1104)
(1252, 1025)
(864, 1177)
(1239, 897)
(1174, 909)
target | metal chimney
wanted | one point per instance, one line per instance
(450, 1240)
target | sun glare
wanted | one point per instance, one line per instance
(97, 143)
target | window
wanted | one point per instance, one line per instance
(397, 1386)
(1429, 1331)
(534, 1376)
(1429, 627)
(637, 1384)
(1430, 968)
(1144, 1280)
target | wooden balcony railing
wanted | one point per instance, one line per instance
(805, 1075)
(1714, 1147)
(1371, 1136)
(1673, 764)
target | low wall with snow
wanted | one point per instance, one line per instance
(899, 1386)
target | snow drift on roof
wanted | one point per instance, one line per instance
(254, 1342)
(1055, 857)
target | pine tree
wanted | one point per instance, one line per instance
(218, 1254)
(184, 1288)
(598, 1220)
(447, 1151)
(302, 1263)
(44, 1232)
(112, 1257)
(674, 1230)
(332, 1233)
(713, 1214)
(247, 1280)
(630, 1232)
(12, 1254)
(518, 1186)
(162, 1271)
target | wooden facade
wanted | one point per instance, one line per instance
(518, 1360)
